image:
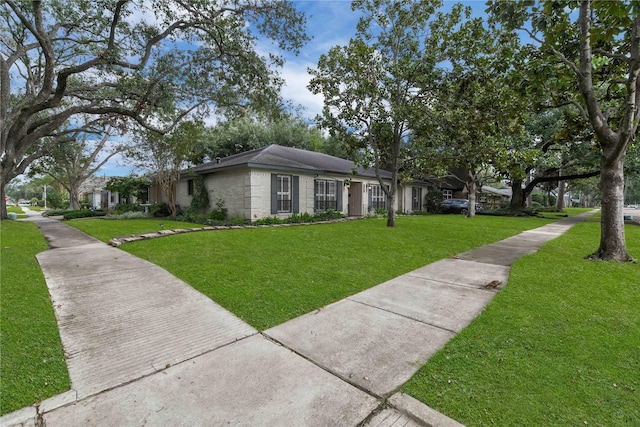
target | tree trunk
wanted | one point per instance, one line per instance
(517, 195)
(73, 201)
(612, 241)
(560, 200)
(529, 200)
(393, 188)
(472, 187)
(73, 196)
(391, 213)
(3, 203)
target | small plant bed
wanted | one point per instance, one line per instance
(269, 275)
(69, 214)
(559, 345)
(32, 366)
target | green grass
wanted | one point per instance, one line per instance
(107, 229)
(267, 276)
(559, 345)
(32, 364)
(16, 210)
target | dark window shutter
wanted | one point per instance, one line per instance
(295, 194)
(274, 193)
(339, 191)
(370, 198)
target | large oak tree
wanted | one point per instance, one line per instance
(133, 61)
(580, 50)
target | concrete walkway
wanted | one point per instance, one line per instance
(144, 348)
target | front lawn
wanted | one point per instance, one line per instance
(559, 345)
(32, 364)
(107, 229)
(267, 276)
(16, 210)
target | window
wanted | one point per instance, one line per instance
(190, 187)
(416, 199)
(447, 194)
(284, 193)
(378, 198)
(325, 195)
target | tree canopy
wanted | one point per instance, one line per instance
(587, 54)
(131, 62)
(369, 85)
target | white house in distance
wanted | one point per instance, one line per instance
(94, 193)
(280, 181)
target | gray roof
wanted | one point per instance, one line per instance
(289, 159)
(506, 192)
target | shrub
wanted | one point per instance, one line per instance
(220, 213)
(432, 201)
(83, 213)
(56, 212)
(269, 221)
(127, 207)
(327, 215)
(128, 215)
(200, 198)
(301, 218)
(239, 220)
(159, 210)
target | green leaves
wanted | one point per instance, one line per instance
(150, 63)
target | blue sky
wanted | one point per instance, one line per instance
(329, 23)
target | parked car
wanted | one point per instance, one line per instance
(458, 206)
(24, 204)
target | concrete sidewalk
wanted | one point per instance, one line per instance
(143, 347)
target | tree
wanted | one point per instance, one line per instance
(129, 61)
(129, 186)
(473, 113)
(167, 155)
(72, 163)
(574, 54)
(369, 85)
(556, 147)
(245, 134)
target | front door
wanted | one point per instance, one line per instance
(355, 199)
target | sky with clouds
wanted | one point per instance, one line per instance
(330, 23)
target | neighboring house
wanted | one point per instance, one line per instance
(94, 193)
(452, 186)
(281, 181)
(495, 198)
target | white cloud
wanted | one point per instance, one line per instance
(296, 79)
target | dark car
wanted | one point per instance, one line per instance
(458, 206)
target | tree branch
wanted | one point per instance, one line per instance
(541, 179)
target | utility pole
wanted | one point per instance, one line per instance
(45, 196)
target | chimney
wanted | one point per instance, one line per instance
(218, 160)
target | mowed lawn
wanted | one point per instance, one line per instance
(32, 364)
(558, 346)
(267, 276)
